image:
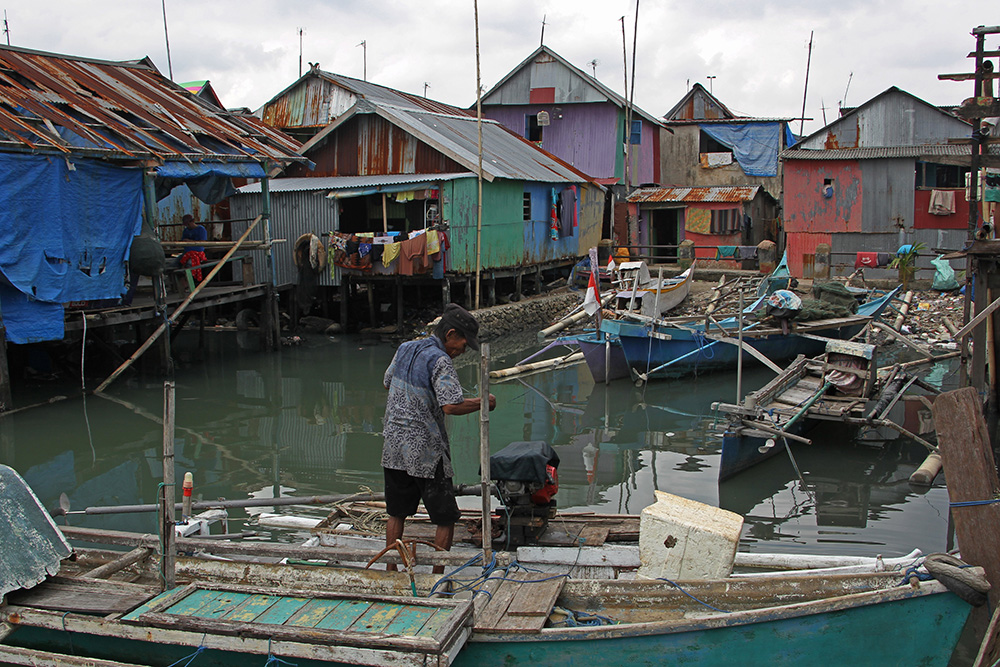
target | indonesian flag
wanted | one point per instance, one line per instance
(592, 302)
(611, 264)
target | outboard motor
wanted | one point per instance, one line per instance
(526, 479)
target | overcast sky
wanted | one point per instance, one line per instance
(757, 51)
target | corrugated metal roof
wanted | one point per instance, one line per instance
(604, 90)
(505, 154)
(120, 110)
(886, 152)
(350, 182)
(734, 194)
(727, 121)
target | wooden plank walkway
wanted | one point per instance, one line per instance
(521, 604)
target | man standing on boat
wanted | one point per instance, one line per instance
(416, 458)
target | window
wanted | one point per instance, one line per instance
(933, 175)
(532, 130)
(635, 136)
(707, 144)
(526, 206)
(726, 221)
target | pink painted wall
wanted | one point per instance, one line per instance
(808, 210)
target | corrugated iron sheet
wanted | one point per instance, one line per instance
(739, 193)
(383, 182)
(886, 152)
(122, 110)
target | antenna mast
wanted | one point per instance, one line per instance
(805, 89)
(541, 42)
(6, 27)
(166, 37)
(849, 77)
(300, 52)
(364, 51)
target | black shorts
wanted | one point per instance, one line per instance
(403, 492)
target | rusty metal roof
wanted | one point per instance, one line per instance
(740, 193)
(121, 110)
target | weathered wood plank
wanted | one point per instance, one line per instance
(190, 603)
(93, 596)
(376, 618)
(14, 655)
(409, 621)
(347, 613)
(964, 444)
(496, 607)
(281, 610)
(252, 607)
(536, 599)
(433, 625)
(312, 613)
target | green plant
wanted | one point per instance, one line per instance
(908, 260)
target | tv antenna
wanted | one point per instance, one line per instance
(426, 86)
(301, 30)
(364, 50)
(843, 102)
(6, 27)
(541, 42)
(593, 65)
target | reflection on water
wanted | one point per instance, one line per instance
(308, 421)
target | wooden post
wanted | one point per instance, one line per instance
(964, 444)
(270, 321)
(370, 288)
(484, 446)
(399, 303)
(385, 216)
(445, 293)
(6, 399)
(345, 290)
(977, 372)
(168, 550)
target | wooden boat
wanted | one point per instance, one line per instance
(106, 609)
(676, 347)
(239, 613)
(842, 385)
(651, 297)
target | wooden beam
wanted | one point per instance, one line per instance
(964, 443)
(977, 320)
(14, 655)
(901, 338)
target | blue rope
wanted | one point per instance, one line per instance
(580, 618)
(973, 503)
(701, 602)
(706, 351)
(273, 659)
(188, 659)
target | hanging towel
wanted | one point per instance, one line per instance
(884, 258)
(746, 251)
(866, 259)
(364, 248)
(942, 202)
(433, 242)
(390, 252)
(726, 251)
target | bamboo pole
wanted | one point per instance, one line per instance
(536, 366)
(484, 448)
(159, 331)
(479, 168)
(903, 311)
(168, 550)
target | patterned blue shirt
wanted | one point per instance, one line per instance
(420, 379)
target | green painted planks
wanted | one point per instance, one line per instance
(281, 610)
(218, 606)
(409, 621)
(251, 608)
(376, 618)
(313, 612)
(191, 603)
(344, 616)
(436, 622)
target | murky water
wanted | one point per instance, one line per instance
(307, 421)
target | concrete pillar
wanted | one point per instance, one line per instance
(821, 265)
(767, 256)
(685, 253)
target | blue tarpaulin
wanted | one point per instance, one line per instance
(210, 182)
(755, 145)
(65, 229)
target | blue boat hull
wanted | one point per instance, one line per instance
(594, 352)
(740, 452)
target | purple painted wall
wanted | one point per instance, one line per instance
(585, 135)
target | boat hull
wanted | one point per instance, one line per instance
(741, 451)
(597, 358)
(855, 635)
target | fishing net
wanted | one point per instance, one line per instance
(836, 293)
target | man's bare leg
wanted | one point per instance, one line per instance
(443, 537)
(393, 532)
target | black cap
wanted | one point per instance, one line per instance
(458, 318)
